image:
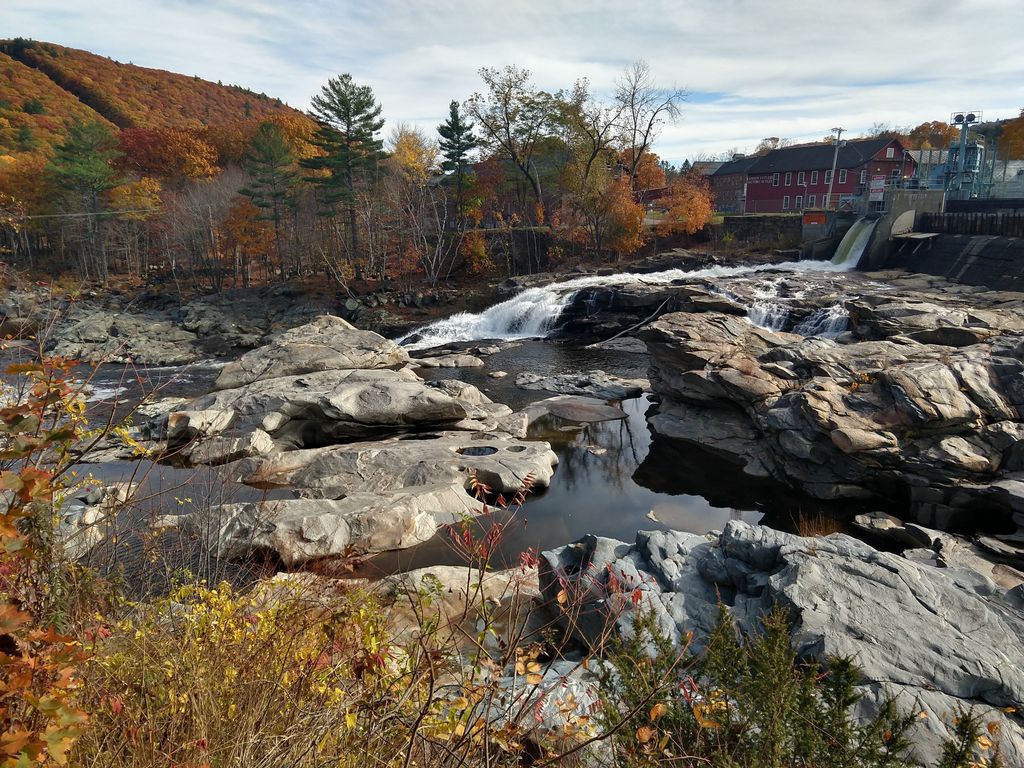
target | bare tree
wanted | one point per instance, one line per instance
(645, 108)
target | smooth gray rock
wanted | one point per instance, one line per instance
(912, 628)
(326, 344)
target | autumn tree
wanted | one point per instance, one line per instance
(932, 135)
(770, 143)
(645, 107)
(271, 164)
(457, 141)
(166, 153)
(689, 206)
(82, 169)
(349, 118)
(513, 116)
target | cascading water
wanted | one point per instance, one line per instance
(827, 321)
(852, 246)
(534, 312)
(768, 314)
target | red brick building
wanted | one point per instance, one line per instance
(795, 178)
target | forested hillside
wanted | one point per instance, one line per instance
(110, 169)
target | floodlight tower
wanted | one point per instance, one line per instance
(963, 119)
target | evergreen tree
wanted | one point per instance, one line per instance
(271, 163)
(457, 141)
(349, 118)
(82, 168)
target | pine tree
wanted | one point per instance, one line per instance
(457, 141)
(83, 169)
(349, 118)
(271, 163)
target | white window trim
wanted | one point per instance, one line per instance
(811, 201)
(775, 179)
(798, 204)
(842, 175)
(785, 202)
(801, 178)
(890, 153)
(789, 178)
(814, 177)
(828, 177)
(864, 176)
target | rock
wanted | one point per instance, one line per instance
(298, 531)
(449, 361)
(327, 406)
(582, 410)
(498, 374)
(854, 419)
(389, 465)
(931, 637)
(596, 384)
(326, 344)
(221, 450)
(85, 516)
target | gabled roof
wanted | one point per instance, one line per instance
(739, 165)
(706, 167)
(929, 156)
(809, 157)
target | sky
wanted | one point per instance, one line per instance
(788, 68)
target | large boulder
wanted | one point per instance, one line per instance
(846, 419)
(937, 639)
(326, 344)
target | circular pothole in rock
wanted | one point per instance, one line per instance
(477, 450)
(420, 436)
(516, 448)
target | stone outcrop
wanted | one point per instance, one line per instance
(891, 418)
(379, 458)
(935, 638)
(596, 384)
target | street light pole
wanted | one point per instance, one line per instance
(835, 160)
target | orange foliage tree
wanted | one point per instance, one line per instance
(689, 206)
(167, 153)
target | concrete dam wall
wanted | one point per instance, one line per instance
(990, 261)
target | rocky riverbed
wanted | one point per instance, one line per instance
(902, 393)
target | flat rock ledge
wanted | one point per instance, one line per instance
(378, 458)
(935, 638)
(596, 384)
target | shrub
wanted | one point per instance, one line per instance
(744, 701)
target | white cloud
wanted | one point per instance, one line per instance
(782, 68)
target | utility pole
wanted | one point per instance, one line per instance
(835, 160)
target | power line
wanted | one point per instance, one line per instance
(98, 213)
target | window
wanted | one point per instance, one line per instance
(864, 176)
(895, 173)
(814, 177)
(801, 178)
(811, 201)
(775, 179)
(842, 176)
(785, 203)
(828, 177)
(799, 202)
(789, 179)
(890, 153)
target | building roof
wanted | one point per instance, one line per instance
(810, 157)
(706, 167)
(737, 165)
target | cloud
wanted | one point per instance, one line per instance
(785, 68)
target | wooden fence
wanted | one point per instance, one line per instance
(1003, 224)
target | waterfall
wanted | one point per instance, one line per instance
(852, 246)
(534, 312)
(768, 314)
(828, 321)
